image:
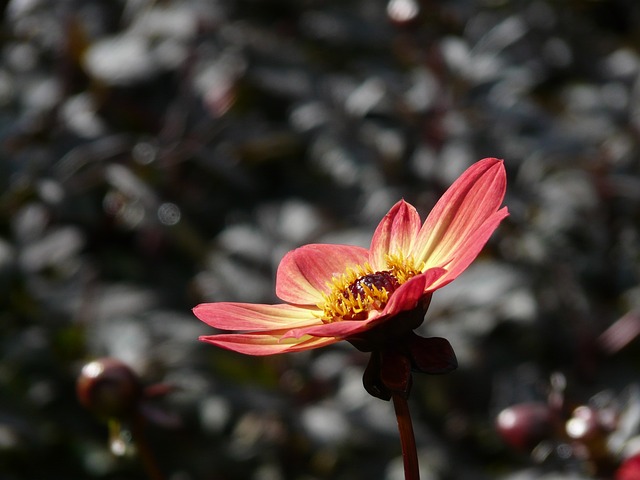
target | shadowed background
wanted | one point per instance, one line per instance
(156, 155)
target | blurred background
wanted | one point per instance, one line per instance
(159, 154)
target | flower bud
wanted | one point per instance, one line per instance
(524, 425)
(108, 388)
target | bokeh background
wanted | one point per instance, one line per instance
(158, 154)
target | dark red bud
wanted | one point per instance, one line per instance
(524, 425)
(109, 388)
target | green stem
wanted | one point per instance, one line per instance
(407, 438)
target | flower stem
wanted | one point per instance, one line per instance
(407, 438)
(145, 452)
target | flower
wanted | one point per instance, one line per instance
(369, 296)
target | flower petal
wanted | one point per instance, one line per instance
(303, 273)
(469, 205)
(468, 250)
(255, 317)
(395, 234)
(340, 329)
(408, 295)
(433, 355)
(268, 343)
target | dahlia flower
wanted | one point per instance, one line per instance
(371, 297)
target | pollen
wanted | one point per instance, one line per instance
(360, 289)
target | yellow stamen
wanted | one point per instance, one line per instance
(357, 291)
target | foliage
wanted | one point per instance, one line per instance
(160, 154)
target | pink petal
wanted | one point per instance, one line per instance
(469, 205)
(255, 317)
(268, 343)
(470, 248)
(303, 273)
(408, 295)
(395, 234)
(340, 329)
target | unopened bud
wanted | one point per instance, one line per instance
(524, 425)
(108, 388)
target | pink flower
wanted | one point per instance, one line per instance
(342, 292)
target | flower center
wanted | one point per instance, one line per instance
(373, 281)
(359, 290)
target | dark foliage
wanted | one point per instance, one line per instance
(157, 154)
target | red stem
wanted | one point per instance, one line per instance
(407, 438)
(149, 460)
